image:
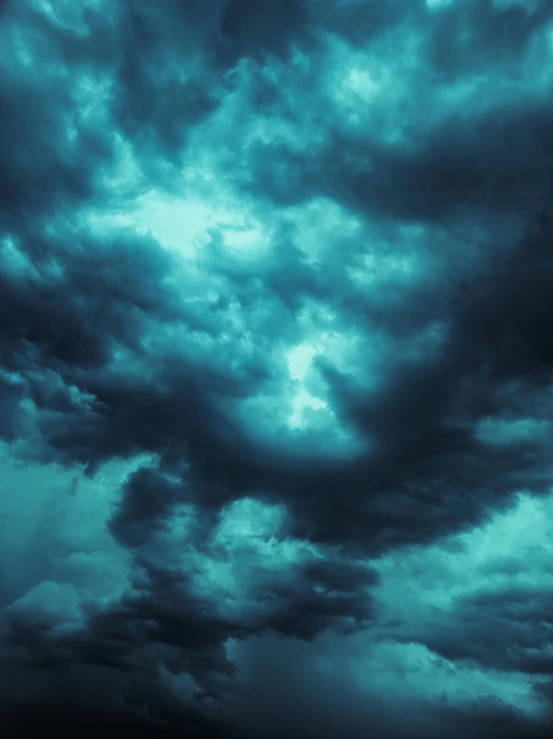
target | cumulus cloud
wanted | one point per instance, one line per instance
(275, 367)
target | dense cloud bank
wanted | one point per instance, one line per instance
(276, 363)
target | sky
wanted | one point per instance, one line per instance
(276, 369)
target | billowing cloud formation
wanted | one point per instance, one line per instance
(276, 406)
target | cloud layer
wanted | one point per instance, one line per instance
(276, 406)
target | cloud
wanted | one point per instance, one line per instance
(275, 366)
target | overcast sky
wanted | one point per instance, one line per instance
(276, 363)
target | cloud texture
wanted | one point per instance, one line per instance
(276, 363)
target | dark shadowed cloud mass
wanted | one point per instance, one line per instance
(276, 368)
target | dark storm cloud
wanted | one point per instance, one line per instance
(166, 624)
(90, 700)
(485, 350)
(496, 160)
(136, 56)
(505, 629)
(185, 629)
(162, 88)
(428, 471)
(361, 22)
(472, 35)
(250, 27)
(146, 497)
(496, 156)
(66, 316)
(115, 343)
(434, 469)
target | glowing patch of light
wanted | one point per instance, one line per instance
(526, 524)
(432, 4)
(300, 358)
(320, 226)
(414, 670)
(16, 261)
(376, 269)
(127, 173)
(247, 518)
(301, 402)
(268, 130)
(355, 84)
(186, 225)
(180, 225)
(299, 362)
(376, 94)
(68, 15)
(238, 239)
(361, 82)
(92, 95)
(431, 579)
(248, 551)
(54, 602)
